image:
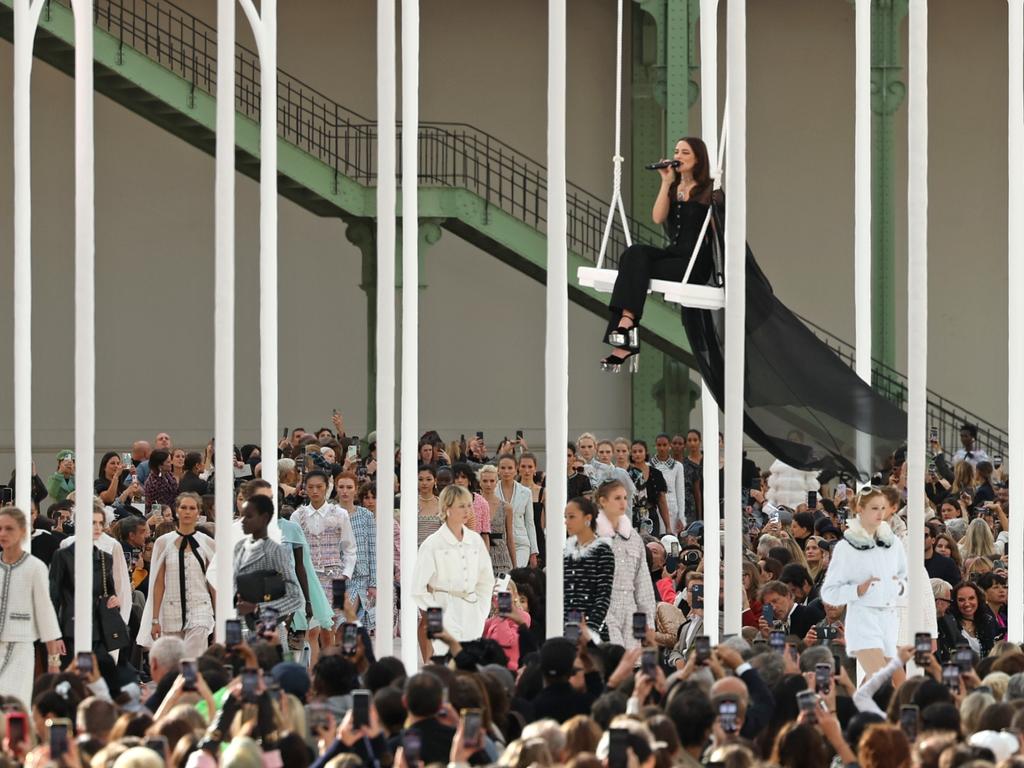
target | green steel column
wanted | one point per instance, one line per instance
(887, 92)
(663, 60)
(362, 233)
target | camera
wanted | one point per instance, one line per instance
(691, 558)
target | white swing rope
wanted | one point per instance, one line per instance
(616, 203)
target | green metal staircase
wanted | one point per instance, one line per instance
(159, 61)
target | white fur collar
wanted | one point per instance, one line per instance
(575, 550)
(861, 539)
(605, 530)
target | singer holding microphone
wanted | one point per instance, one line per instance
(680, 207)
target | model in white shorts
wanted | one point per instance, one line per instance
(868, 574)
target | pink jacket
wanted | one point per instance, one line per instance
(505, 633)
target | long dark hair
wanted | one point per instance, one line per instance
(701, 171)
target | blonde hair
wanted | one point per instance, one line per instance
(449, 497)
(16, 514)
(585, 436)
(487, 469)
(865, 495)
(978, 540)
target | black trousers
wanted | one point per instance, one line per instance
(639, 265)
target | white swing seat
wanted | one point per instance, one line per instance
(686, 294)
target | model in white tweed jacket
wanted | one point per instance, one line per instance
(632, 591)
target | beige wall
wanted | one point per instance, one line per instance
(482, 323)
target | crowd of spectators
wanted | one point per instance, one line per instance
(630, 681)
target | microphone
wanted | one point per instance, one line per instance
(662, 164)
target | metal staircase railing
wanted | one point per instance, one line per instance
(944, 415)
(450, 155)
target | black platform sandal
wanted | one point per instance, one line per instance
(615, 364)
(624, 338)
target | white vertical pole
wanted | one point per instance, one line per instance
(224, 314)
(862, 189)
(708, 406)
(85, 322)
(386, 195)
(735, 303)
(556, 355)
(917, 291)
(410, 294)
(266, 34)
(1015, 237)
(26, 18)
(862, 209)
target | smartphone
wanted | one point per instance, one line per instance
(472, 727)
(479, 435)
(504, 603)
(360, 708)
(412, 746)
(768, 614)
(728, 716)
(777, 640)
(807, 701)
(519, 434)
(250, 681)
(352, 452)
(702, 647)
(83, 663)
(618, 743)
(951, 677)
(697, 593)
(8, 495)
(349, 638)
(17, 728)
(284, 432)
(59, 729)
(997, 461)
(573, 621)
(232, 632)
(338, 594)
(435, 622)
(672, 563)
(933, 434)
(158, 744)
(836, 665)
(841, 490)
(189, 674)
(964, 658)
(649, 662)
(812, 499)
(908, 721)
(822, 678)
(922, 648)
(639, 625)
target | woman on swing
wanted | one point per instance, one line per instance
(868, 574)
(680, 207)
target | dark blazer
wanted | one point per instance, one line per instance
(62, 587)
(761, 706)
(46, 544)
(802, 619)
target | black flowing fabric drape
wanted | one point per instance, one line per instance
(802, 403)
